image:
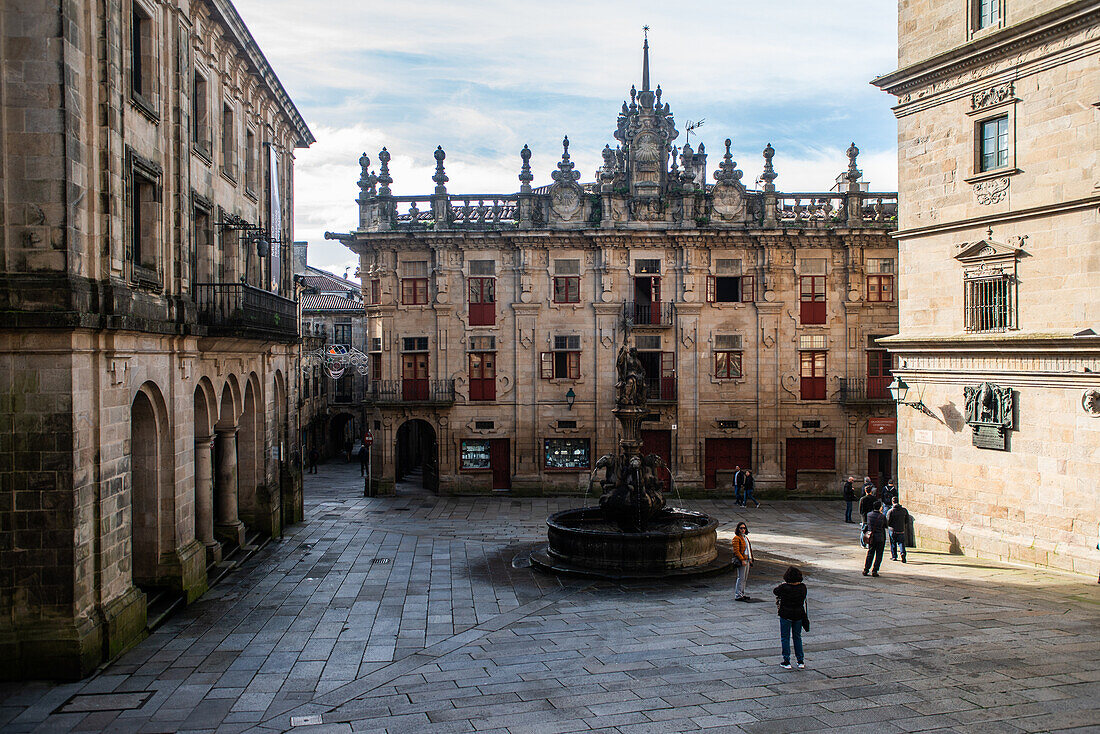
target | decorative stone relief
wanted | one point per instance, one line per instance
(992, 191)
(989, 411)
(1090, 402)
(992, 96)
(566, 194)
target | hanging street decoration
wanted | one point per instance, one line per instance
(335, 359)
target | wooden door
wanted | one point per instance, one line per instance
(879, 366)
(668, 376)
(878, 465)
(500, 461)
(725, 454)
(414, 376)
(809, 453)
(659, 442)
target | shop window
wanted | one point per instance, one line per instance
(475, 455)
(567, 453)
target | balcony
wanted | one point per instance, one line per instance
(240, 310)
(865, 390)
(415, 392)
(660, 389)
(648, 314)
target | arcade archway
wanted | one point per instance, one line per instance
(417, 451)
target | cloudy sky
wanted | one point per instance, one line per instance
(481, 79)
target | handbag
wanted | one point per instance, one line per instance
(806, 616)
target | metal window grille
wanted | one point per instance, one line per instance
(990, 304)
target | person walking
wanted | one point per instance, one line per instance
(849, 497)
(889, 492)
(347, 450)
(750, 484)
(313, 458)
(364, 457)
(739, 486)
(742, 552)
(897, 520)
(866, 504)
(790, 599)
(874, 535)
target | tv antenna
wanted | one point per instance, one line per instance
(692, 127)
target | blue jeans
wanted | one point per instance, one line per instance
(749, 498)
(897, 540)
(739, 495)
(789, 628)
(847, 510)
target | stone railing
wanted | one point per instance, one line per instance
(470, 211)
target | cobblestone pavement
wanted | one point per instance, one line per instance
(405, 614)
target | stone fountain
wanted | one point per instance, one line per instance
(632, 534)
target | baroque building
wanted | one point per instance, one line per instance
(148, 330)
(999, 242)
(494, 320)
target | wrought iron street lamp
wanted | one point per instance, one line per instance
(899, 391)
(570, 398)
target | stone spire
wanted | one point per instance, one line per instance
(854, 174)
(769, 175)
(525, 177)
(384, 173)
(645, 60)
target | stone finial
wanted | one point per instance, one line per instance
(367, 179)
(727, 172)
(565, 172)
(525, 177)
(384, 173)
(633, 98)
(440, 176)
(674, 171)
(769, 175)
(853, 174)
(687, 158)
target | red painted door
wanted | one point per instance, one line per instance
(659, 442)
(482, 301)
(414, 376)
(809, 453)
(500, 461)
(725, 454)
(879, 366)
(668, 376)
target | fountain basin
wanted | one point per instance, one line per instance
(677, 542)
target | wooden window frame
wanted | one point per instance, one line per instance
(880, 288)
(812, 302)
(414, 291)
(570, 286)
(481, 300)
(725, 362)
(482, 386)
(812, 386)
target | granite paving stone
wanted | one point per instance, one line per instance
(450, 636)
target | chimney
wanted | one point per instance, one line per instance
(300, 257)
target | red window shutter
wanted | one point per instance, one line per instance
(712, 288)
(547, 365)
(574, 365)
(748, 289)
(656, 290)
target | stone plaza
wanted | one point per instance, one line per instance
(416, 612)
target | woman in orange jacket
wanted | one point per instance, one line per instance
(742, 550)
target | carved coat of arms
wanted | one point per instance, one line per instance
(989, 411)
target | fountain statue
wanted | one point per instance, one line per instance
(632, 534)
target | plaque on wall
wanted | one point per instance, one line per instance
(989, 411)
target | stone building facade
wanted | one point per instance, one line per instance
(148, 331)
(494, 320)
(999, 239)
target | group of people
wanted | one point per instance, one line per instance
(790, 597)
(743, 487)
(882, 518)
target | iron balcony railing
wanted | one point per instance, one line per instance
(398, 392)
(865, 390)
(648, 314)
(660, 389)
(241, 309)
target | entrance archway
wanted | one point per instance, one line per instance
(417, 449)
(341, 429)
(250, 442)
(150, 475)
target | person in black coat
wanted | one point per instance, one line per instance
(866, 504)
(750, 485)
(790, 598)
(849, 493)
(876, 544)
(897, 521)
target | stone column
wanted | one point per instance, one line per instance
(204, 498)
(228, 528)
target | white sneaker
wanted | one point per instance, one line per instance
(786, 665)
(802, 666)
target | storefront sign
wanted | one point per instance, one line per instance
(882, 425)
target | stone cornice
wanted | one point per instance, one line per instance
(992, 47)
(1045, 210)
(1029, 343)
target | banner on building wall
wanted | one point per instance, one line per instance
(276, 218)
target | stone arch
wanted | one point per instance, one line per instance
(151, 484)
(250, 453)
(231, 403)
(341, 429)
(416, 448)
(206, 413)
(228, 527)
(279, 415)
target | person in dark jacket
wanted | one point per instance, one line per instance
(897, 521)
(849, 497)
(866, 503)
(750, 485)
(876, 544)
(738, 486)
(889, 492)
(364, 459)
(790, 598)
